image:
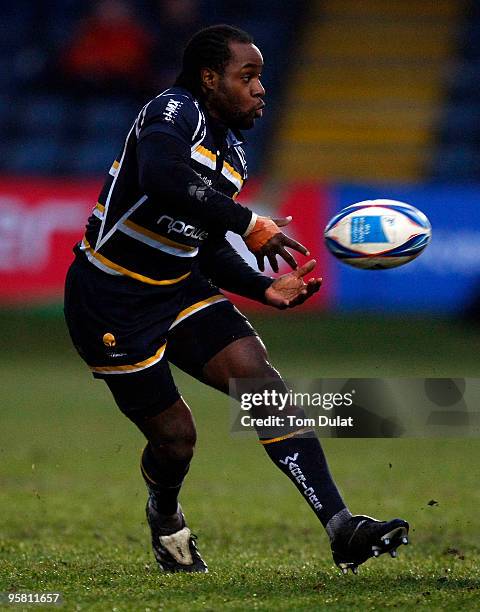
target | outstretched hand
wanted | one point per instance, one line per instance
(290, 290)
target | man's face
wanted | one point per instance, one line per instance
(236, 97)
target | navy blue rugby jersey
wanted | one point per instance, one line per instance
(153, 237)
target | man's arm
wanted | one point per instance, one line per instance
(221, 263)
(227, 269)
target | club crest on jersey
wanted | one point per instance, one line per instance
(109, 339)
(180, 227)
(171, 110)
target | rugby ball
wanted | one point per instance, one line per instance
(378, 234)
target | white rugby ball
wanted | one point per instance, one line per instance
(378, 234)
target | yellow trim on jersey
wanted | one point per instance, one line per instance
(198, 306)
(205, 157)
(232, 175)
(98, 211)
(121, 270)
(201, 149)
(114, 168)
(280, 438)
(157, 237)
(136, 367)
(232, 170)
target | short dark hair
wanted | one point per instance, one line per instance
(208, 48)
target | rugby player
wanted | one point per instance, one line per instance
(144, 291)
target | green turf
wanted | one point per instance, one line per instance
(71, 499)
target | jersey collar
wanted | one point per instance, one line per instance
(234, 138)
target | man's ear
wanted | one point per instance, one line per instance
(209, 78)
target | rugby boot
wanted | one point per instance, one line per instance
(177, 551)
(362, 537)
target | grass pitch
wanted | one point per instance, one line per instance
(72, 499)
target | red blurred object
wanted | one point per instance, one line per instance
(40, 221)
(110, 48)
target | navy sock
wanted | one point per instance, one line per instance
(164, 480)
(302, 459)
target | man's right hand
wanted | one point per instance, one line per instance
(266, 239)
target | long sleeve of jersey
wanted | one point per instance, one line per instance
(163, 155)
(221, 263)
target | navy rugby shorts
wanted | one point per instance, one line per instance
(127, 333)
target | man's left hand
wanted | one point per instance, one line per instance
(291, 290)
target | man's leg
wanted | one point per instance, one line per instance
(151, 400)
(299, 455)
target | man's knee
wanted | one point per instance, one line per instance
(172, 434)
(244, 358)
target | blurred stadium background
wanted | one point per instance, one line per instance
(365, 99)
(371, 99)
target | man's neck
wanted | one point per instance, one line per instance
(218, 127)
